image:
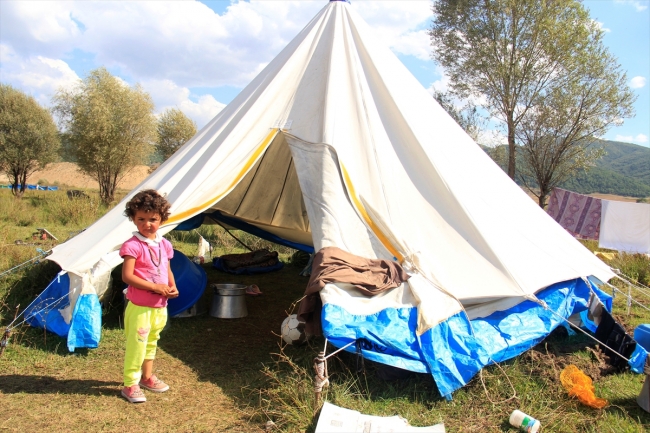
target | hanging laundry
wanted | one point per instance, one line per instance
(578, 214)
(625, 227)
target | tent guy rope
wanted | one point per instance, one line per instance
(41, 255)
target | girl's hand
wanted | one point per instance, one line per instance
(173, 292)
(161, 289)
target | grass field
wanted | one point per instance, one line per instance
(235, 376)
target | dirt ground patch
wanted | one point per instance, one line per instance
(68, 174)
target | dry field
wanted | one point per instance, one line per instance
(67, 174)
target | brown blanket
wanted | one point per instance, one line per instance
(333, 265)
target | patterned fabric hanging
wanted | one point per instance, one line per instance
(579, 214)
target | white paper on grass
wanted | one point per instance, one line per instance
(334, 419)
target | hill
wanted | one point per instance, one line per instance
(627, 159)
(623, 171)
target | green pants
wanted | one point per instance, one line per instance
(142, 326)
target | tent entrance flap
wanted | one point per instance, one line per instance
(269, 193)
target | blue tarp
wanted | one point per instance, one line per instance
(453, 351)
(86, 324)
(196, 221)
(241, 225)
(86, 327)
(35, 187)
(44, 311)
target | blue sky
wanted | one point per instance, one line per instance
(197, 56)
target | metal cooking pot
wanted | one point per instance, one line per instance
(229, 301)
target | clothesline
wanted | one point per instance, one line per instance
(616, 225)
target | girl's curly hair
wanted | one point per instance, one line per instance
(148, 200)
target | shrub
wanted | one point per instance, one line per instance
(78, 212)
(634, 266)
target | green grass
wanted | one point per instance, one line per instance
(234, 375)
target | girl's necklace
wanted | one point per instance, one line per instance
(157, 265)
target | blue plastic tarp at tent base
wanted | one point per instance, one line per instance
(455, 350)
(44, 312)
(86, 327)
(386, 336)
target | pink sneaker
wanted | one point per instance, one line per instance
(154, 384)
(133, 394)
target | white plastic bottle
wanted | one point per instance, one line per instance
(524, 422)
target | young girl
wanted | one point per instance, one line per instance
(150, 282)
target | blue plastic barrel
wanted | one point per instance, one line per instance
(191, 280)
(642, 335)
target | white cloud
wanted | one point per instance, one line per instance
(640, 138)
(201, 111)
(39, 76)
(414, 43)
(637, 82)
(401, 25)
(441, 84)
(601, 26)
(187, 42)
(45, 28)
(166, 94)
(172, 47)
(638, 5)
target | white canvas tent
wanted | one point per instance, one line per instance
(335, 143)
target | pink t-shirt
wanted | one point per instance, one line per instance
(155, 271)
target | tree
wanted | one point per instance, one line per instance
(511, 52)
(466, 116)
(174, 129)
(29, 138)
(109, 127)
(557, 132)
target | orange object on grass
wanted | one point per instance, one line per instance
(580, 385)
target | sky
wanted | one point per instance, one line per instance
(198, 55)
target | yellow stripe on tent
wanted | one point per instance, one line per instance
(195, 210)
(362, 210)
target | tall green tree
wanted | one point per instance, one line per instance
(512, 52)
(174, 129)
(557, 133)
(29, 138)
(108, 126)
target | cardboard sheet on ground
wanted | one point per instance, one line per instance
(334, 419)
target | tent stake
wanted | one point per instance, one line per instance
(320, 379)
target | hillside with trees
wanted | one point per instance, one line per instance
(624, 170)
(626, 159)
